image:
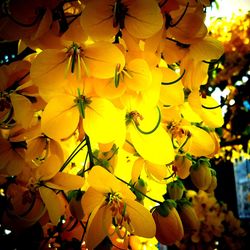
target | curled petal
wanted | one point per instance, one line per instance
(92, 199)
(98, 225)
(64, 181)
(23, 110)
(53, 203)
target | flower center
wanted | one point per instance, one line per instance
(134, 116)
(120, 217)
(75, 62)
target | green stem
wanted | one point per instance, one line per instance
(73, 154)
(91, 159)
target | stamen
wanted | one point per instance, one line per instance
(117, 75)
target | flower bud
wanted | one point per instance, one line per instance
(169, 228)
(213, 184)
(182, 165)
(175, 189)
(201, 174)
(188, 216)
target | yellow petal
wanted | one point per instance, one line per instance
(99, 123)
(60, 117)
(64, 181)
(102, 180)
(171, 94)
(96, 229)
(48, 68)
(139, 73)
(102, 59)
(191, 26)
(137, 168)
(97, 19)
(139, 216)
(92, 199)
(211, 112)
(12, 163)
(53, 203)
(144, 18)
(189, 114)
(158, 171)
(23, 110)
(106, 88)
(35, 148)
(56, 149)
(207, 108)
(156, 147)
(150, 96)
(201, 143)
(48, 169)
(206, 49)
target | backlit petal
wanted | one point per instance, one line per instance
(102, 59)
(97, 19)
(200, 143)
(144, 18)
(102, 180)
(61, 112)
(139, 216)
(155, 147)
(103, 123)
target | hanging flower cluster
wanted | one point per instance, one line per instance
(218, 226)
(233, 80)
(102, 121)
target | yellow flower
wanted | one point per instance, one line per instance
(97, 114)
(47, 179)
(103, 19)
(196, 61)
(18, 97)
(207, 108)
(110, 202)
(55, 68)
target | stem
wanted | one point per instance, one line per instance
(91, 159)
(154, 200)
(73, 154)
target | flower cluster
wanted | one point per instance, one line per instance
(218, 225)
(233, 80)
(102, 115)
